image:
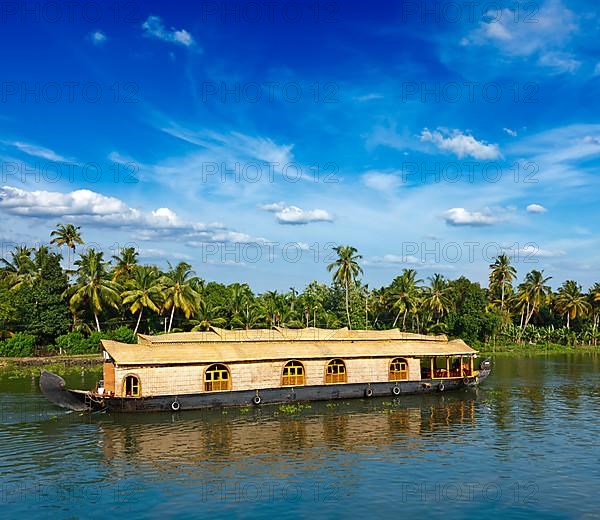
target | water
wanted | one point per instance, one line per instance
(526, 444)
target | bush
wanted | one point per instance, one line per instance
(123, 334)
(77, 343)
(20, 345)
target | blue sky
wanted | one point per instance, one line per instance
(248, 138)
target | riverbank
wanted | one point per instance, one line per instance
(81, 360)
(528, 348)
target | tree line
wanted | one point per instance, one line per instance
(45, 307)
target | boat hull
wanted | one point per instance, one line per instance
(282, 395)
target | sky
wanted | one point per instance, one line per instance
(250, 138)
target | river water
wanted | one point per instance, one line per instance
(525, 444)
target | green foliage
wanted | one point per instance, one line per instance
(122, 334)
(77, 343)
(20, 345)
(40, 308)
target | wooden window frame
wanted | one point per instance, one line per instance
(337, 377)
(218, 385)
(139, 386)
(398, 375)
(293, 379)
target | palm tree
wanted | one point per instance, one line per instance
(405, 295)
(533, 292)
(502, 275)
(67, 235)
(594, 299)
(21, 270)
(346, 270)
(571, 302)
(208, 315)
(179, 291)
(125, 264)
(437, 296)
(94, 287)
(145, 291)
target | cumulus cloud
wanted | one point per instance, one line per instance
(293, 215)
(155, 28)
(536, 208)
(97, 38)
(511, 132)
(463, 217)
(460, 144)
(86, 206)
(379, 181)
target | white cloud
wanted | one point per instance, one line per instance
(36, 151)
(524, 32)
(97, 37)
(463, 217)
(460, 144)
(559, 62)
(384, 182)
(293, 215)
(532, 250)
(590, 139)
(86, 206)
(154, 27)
(597, 69)
(511, 132)
(536, 208)
(368, 97)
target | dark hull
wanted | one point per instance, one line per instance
(54, 389)
(282, 395)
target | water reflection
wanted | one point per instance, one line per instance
(344, 426)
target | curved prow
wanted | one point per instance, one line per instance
(485, 367)
(54, 388)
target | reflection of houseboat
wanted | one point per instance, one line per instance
(185, 371)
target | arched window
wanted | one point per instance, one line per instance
(293, 374)
(398, 369)
(131, 386)
(336, 372)
(217, 378)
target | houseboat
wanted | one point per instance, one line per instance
(193, 370)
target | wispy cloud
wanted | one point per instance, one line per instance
(510, 131)
(154, 27)
(36, 151)
(381, 181)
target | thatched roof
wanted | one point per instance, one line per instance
(283, 334)
(221, 346)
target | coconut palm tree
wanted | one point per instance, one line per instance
(437, 296)
(502, 275)
(346, 270)
(179, 291)
(571, 302)
(208, 315)
(533, 292)
(594, 300)
(67, 235)
(145, 291)
(405, 295)
(94, 288)
(21, 269)
(125, 264)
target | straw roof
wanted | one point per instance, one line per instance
(283, 334)
(219, 346)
